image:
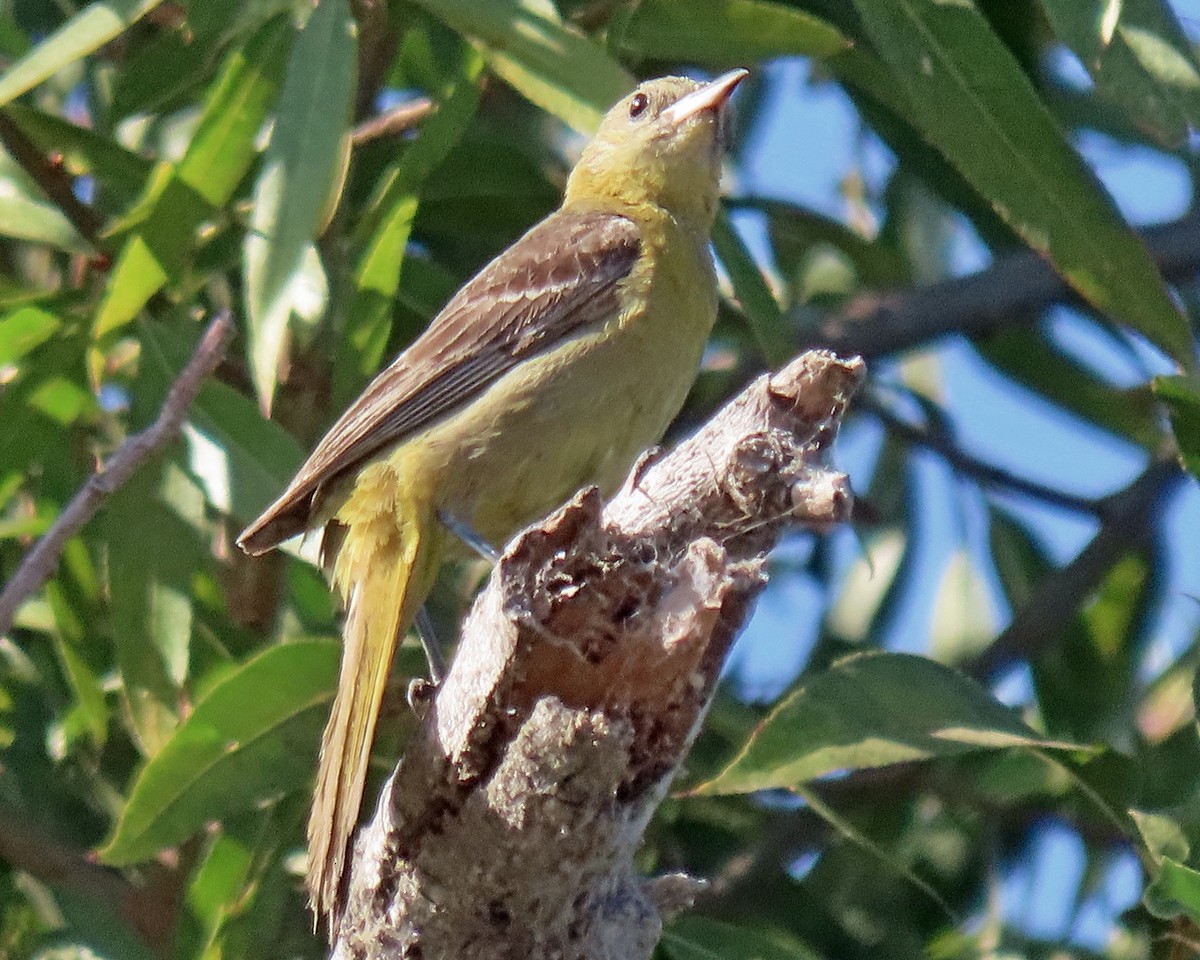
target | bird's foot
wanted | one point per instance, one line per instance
(467, 535)
(420, 694)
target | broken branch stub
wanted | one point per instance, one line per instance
(584, 671)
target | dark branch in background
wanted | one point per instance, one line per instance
(985, 474)
(376, 51)
(1127, 519)
(585, 669)
(1013, 288)
(149, 910)
(40, 562)
(393, 122)
(54, 181)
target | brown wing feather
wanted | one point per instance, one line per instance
(560, 277)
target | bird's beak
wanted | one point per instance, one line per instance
(711, 96)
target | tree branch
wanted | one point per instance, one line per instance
(394, 122)
(40, 562)
(983, 473)
(585, 668)
(149, 910)
(1011, 290)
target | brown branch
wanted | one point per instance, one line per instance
(50, 860)
(54, 181)
(585, 668)
(1010, 291)
(393, 122)
(984, 473)
(1127, 519)
(40, 562)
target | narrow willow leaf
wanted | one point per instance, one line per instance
(24, 330)
(1174, 891)
(753, 293)
(551, 64)
(162, 229)
(253, 737)
(860, 713)
(84, 151)
(724, 33)
(1139, 57)
(1182, 397)
(241, 459)
(693, 937)
(972, 101)
(385, 233)
(302, 168)
(1028, 357)
(84, 33)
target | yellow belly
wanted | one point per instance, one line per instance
(578, 414)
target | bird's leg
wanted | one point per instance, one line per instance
(468, 536)
(429, 643)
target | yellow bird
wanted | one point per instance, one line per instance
(554, 368)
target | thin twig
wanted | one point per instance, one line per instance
(392, 122)
(984, 473)
(1012, 290)
(55, 182)
(40, 562)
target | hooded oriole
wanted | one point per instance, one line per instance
(560, 362)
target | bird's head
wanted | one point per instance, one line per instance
(660, 147)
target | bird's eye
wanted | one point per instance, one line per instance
(637, 106)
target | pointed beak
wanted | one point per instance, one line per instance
(711, 96)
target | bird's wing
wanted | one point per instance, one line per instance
(559, 278)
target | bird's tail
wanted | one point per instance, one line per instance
(384, 567)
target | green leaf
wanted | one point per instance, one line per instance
(1162, 835)
(164, 226)
(253, 737)
(24, 330)
(1174, 891)
(241, 459)
(795, 231)
(724, 32)
(302, 169)
(85, 152)
(972, 101)
(1139, 57)
(24, 216)
(869, 585)
(385, 231)
(153, 556)
(84, 33)
(964, 617)
(553, 65)
(754, 295)
(69, 640)
(1182, 397)
(691, 937)
(861, 713)
(1031, 359)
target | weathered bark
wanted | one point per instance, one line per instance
(584, 671)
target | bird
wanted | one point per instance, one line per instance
(554, 368)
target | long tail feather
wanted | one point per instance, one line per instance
(384, 570)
